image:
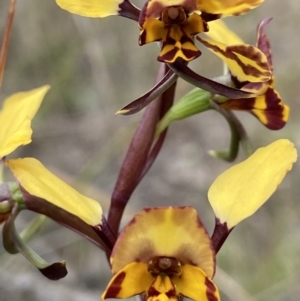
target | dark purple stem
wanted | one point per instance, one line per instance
(168, 99)
(136, 158)
(220, 234)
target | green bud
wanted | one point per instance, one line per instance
(195, 102)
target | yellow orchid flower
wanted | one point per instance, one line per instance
(165, 254)
(175, 24)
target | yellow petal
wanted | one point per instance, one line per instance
(15, 119)
(166, 231)
(132, 280)
(194, 284)
(91, 8)
(245, 62)
(242, 189)
(227, 7)
(40, 182)
(219, 31)
(162, 289)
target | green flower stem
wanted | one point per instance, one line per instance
(195, 102)
(238, 134)
(33, 227)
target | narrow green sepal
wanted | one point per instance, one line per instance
(194, 102)
(13, 243)
(238, 135)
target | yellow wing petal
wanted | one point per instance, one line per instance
(91, 8)
(40, 182)
(219, 31)
(244, 188)
(15, 119)
(227, 8)
(245, 62)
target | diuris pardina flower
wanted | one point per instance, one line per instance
(268, 107)
(174, 24)
(166, 253)
(163, 254)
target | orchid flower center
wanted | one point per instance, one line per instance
(174, 15)
(173, 26)
(167, 265)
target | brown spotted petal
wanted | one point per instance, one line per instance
(194, 284)
(177, 40)
(226, 8)
(245, 62)
(267, 108)
(177, 44)
(166, 231)
(134, 279)
(263, 42)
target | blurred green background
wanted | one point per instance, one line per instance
(95, 67)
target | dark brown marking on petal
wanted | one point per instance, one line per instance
(251, 53)
(143, 37)
(274, 110)
(238, 84)
(168, 56)
(153, 292)
(253, 86)
(243, 104)
(210, 17)
(210, 290)
(245, 51)
(190, 54)
(115, 287)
